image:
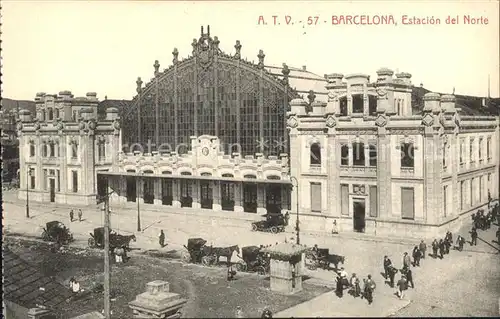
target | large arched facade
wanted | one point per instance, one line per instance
(211, 93)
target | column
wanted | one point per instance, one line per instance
(176, 200)
(196, 194)
(158, 195)
(216, 206)
(295, 171)
(261, 199)
(333, 198)
(238, 197)
(384, 174)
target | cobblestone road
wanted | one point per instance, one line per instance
(463, 283)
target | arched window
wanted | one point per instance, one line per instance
(343, 106)
(315, 154)
(344, 155)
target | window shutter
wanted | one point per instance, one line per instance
(316, 197)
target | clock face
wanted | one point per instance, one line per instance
(204, 151)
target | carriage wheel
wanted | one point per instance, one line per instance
(241, 266)
(254, 227)
(261, 270)
(45, 236)
(91, 242)
(274, 230)
(185, 256)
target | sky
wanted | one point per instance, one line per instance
(103, 46)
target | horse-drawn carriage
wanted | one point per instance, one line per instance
(198, 252)
(273, 223)
(115, 240)
(321, 258)
(254, 260)
(55, 231)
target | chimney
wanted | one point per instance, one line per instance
(304, 68)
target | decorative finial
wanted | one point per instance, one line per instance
(175, 53)
(201, 30)
(139, 85)
(311, 96)
(157, 67)
(261, 57)
(286, 72)
(208, 30)
(237, 46)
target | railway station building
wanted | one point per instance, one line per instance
(214, 131)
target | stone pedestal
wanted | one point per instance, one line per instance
(286, 267)
(39, 313)
(157, 302)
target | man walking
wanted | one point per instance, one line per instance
(402, 285)
(441, 248)
(460, 242)
(406, 260)
(162, 238)
(473, 235)
(416, 256)
(435, 248)
(409, 277)
(71, 215)
(369, 288)
(387, 265)
(80, 215)
(392, 274)
(423, 248)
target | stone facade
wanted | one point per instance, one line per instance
(63, 146)
(376, 168)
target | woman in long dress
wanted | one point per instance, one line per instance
(335, 229)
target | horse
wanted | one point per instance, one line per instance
(122, 240)
(335, 260)
(225, 252)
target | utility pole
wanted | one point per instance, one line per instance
(105, 200)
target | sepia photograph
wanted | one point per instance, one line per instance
(250, 159)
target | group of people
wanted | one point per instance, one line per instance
(354, 285)
(443, 245)
(72, 215)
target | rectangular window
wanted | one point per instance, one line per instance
(471, 191)
(58, 180)
(357, 103)
(445, 146)
(75, 181)
(358, 154)
(344, 155)
(445, 191)
(316, 197)
(32, 150)
(344, 199)
(488, 146)
(373, 201)
(101, 150)
(462, 150)
(373, 155)
(407, 155)
(32, 182)
(407, 203)
(471, 150)
(74, 150)
(45, 179)
(462, 195)
(44, 150)
(481, 189)
(480, 146)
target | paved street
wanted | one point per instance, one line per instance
(463, 283)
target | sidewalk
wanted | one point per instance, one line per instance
(329, 305)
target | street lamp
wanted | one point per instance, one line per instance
(28, 174)
(297, 220)
(139, 180)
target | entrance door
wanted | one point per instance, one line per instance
(149, 191)
(167, 193)
(359, 215)
(52, 183)
(131, 189)
(273, 199)
(249, 198)
(227, 200)
(186, 194)
(206, 197)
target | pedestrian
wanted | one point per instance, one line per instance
(423, 248)
(369, 288)
(387, 264)
(416, 256)
(287, 218)
(406, 260)
(409, 277)
(473, 235)
(335, 229)
(460, 242)
(80, 215)
(392, 273)
(449, 237)
(71, 215)
(402, 286)
(239, 312)
(340, 287)
(435, 248)
(441, 249)
(162, 238)
(355, 288)
(447, 244)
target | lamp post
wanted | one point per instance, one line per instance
(139, 180)
(28, 174)
(297, 228)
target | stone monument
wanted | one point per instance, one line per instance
(286, 267)
(157, 302)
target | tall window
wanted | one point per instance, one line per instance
(488, 145)
(471, 150)
(75, 181)
(74, 150)
(480, 148)
(50, 114)
(357, 103)
(407, 203)
(32, 149)
(32, 180)
(344, 155)
(58, 177)
(407, 155)
(343, 106)
(462, 150)
(344, 199)
(52, 149)
(373, 201)
(358, 154)
(445, 153)
(462, 195)
(445, 191)
(372, 105)
(101, 150)
(481, 185)
(75, 115)
(471, 191)
(316, 197)
(373, 155)
(315, 154)
(44, 150)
